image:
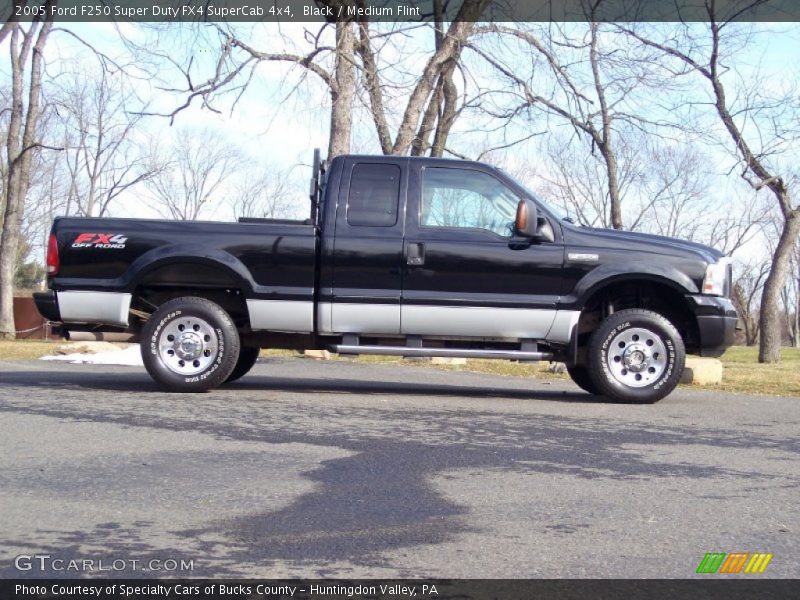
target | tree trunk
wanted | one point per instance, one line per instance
(342, 91)
(421, 143)
(20, 146)
(749, 334)
(449, 51)
(769, 350)
(613, 184)
(606, 148)
(441, 111)
(9, 240)
(797, 314)
(448, 111)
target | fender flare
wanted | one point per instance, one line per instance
(606, 275)
(191, 254)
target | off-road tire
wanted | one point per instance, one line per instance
(190, 344)
(636, 356)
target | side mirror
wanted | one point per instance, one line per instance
(528, 223)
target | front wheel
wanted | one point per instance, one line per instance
(636, 356)
(190, 344)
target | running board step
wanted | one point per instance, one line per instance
(441, 352)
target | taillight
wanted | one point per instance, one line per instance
(52, 256)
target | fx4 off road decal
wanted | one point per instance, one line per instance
(115, 241)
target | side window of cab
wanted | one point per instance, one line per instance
(455, 198)
(374, 195)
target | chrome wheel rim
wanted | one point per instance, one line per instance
(637, 357)
(188, 345)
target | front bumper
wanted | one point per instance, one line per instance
(716, 323)
(47, 305)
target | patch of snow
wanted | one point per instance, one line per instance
(88, 347)
(129, 357)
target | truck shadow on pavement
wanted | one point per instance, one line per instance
(383, 497)
(140, 383)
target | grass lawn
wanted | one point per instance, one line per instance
(743, 373)
(26, 349)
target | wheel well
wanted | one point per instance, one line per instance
(190, 279)
(650, 295)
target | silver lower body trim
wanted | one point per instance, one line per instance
(105, 308)
(456, 321)
(281, 315)
(563, 324)
(448, 321)
(365, 318)
(324, 321)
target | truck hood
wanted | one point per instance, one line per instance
(640, 242)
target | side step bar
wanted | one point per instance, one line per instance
(443, 352)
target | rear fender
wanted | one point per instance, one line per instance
(232, 271)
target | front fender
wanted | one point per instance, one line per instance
(606, 275)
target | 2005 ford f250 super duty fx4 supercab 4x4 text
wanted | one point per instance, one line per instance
(401, 256)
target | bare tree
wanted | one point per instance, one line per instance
(664, 185)
(190, 175)
(10, 19)
(432, 105)
(352, 57)
(43, 192)
(575, 181)
(747, 287)
(731, 225)
(26, 47)
(592, 81)
(4, 118)
(678, 197)
(762, 130)
(790, 298)
(46, 198)
(102, 156)
(265, 195)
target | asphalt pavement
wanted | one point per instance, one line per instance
(336, 469)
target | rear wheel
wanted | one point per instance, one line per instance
(190, 344)
(580, 375)
(636, 356)
(248, 356)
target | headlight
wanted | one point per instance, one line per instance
(716, 282)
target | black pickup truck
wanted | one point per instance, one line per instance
(401, 256)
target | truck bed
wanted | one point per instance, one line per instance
(275, 258)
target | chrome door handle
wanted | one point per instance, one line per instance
(415, 254)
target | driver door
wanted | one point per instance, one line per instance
(464, 272)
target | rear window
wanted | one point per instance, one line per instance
(374, 194)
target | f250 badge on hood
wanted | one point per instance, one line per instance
(114, 241)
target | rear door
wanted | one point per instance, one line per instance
(368, 249)
(465, 274)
